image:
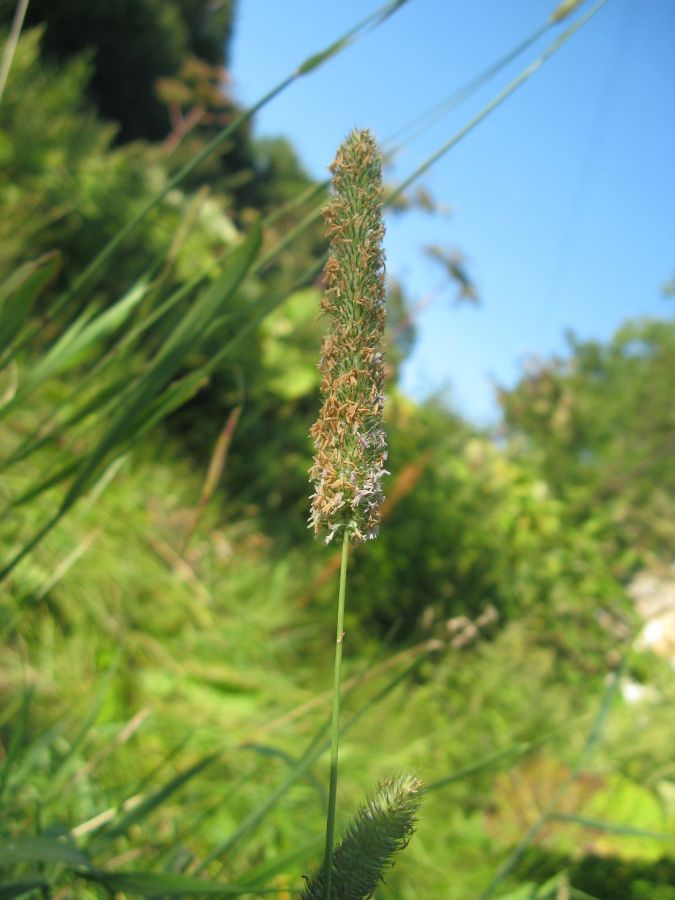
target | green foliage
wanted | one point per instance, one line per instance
(607, 876)
(481, 529)
(162, 687)
(197, 634)
(134, 42)
(65, 186)
(18, 295)
(600, 426)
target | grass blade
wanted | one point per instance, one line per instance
(151, 803)
(282, 864)
(496, 101)
(309, 757)
(21, 888)
(11, 43)
(131, 414)
(421, 122)
(16, 741)
(19, 293)
(131, 419)
(611, 827)
(60, 773)
(97, 264)
(374, 19)
(318, 745)
(266, 750)
(95, 830)
(42, 849)
(518, 749)
(50, 481)
(153, 884)
(512, 861)
(55, 427)
(213, 474)
(78, 341)
(555, 888)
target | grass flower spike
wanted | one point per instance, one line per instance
(349, 437)
(382, 826)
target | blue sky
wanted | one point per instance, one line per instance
(562, 201)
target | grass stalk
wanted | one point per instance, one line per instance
(421, 123)
(371, 20)
(496, 101)
(335, 719)
(12, 42)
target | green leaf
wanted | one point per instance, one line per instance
(44, 434)
(19, 888)
(150, 804)
(554, 888)
(318, 59)
(612, 827)
(42, 849)
(283, 864)
(313, 62)
(152, 884)
(77, 341)
(19, 293)
(129, 416)
(50, 481)
(16, 740)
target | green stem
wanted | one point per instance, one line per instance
(371, 20)
(335, 721)
(11, 44)
(496, 101)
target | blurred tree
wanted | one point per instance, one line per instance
(602, 425)
(133, 43)
(195, 97)
(481, 529)
(66, 186)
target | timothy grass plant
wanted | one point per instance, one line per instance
(350, 453)
(90, 804)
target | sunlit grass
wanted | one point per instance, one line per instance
(165, 677)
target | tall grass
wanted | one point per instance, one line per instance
(92, 802)
(128, 395)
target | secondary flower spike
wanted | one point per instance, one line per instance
(382, 827)
(349, 437)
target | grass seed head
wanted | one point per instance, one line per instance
(349, 437)
(382, 826)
